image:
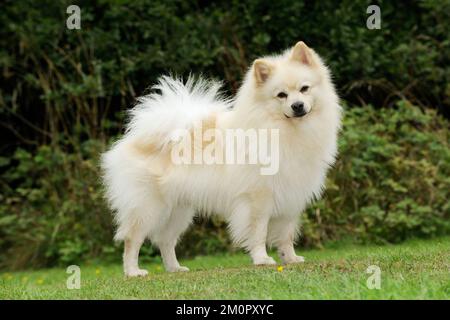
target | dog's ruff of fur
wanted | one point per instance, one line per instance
(156, 199)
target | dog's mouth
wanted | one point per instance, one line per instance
(297, 115)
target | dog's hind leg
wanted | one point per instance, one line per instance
(138, 225)
(132, 245)
(282, 233)
(167, 238)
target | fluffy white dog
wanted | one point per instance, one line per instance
(155, 197)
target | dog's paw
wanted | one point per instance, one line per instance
(264, 261)
(294, 259)
(178, 269)
(136, 273)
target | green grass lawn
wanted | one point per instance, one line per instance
(417, 269)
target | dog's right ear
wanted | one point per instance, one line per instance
(261, 70)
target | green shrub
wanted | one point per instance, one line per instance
(391, 181)
(51, 208)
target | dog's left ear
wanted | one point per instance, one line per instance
(302, 53)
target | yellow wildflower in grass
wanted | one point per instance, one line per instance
(280, 268)
(97, 271)
(40, 281)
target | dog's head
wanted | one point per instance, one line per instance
(289, 85)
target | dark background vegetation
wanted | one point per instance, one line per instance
(63, 95)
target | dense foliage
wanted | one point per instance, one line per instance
(63, 93)
(391, 181)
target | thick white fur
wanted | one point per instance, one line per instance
(156, 199)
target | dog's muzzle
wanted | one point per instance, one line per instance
(299, 109)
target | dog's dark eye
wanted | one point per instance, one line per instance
(282, 95)
(304, 89)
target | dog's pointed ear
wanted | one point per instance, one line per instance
(302, 53)
(261, 70)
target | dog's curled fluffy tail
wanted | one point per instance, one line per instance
(174, 105)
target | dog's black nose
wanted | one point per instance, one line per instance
(298, 108)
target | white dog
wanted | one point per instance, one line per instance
(153, 197)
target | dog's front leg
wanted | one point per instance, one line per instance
(283, 232)
(258, 238)
(249, 225)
